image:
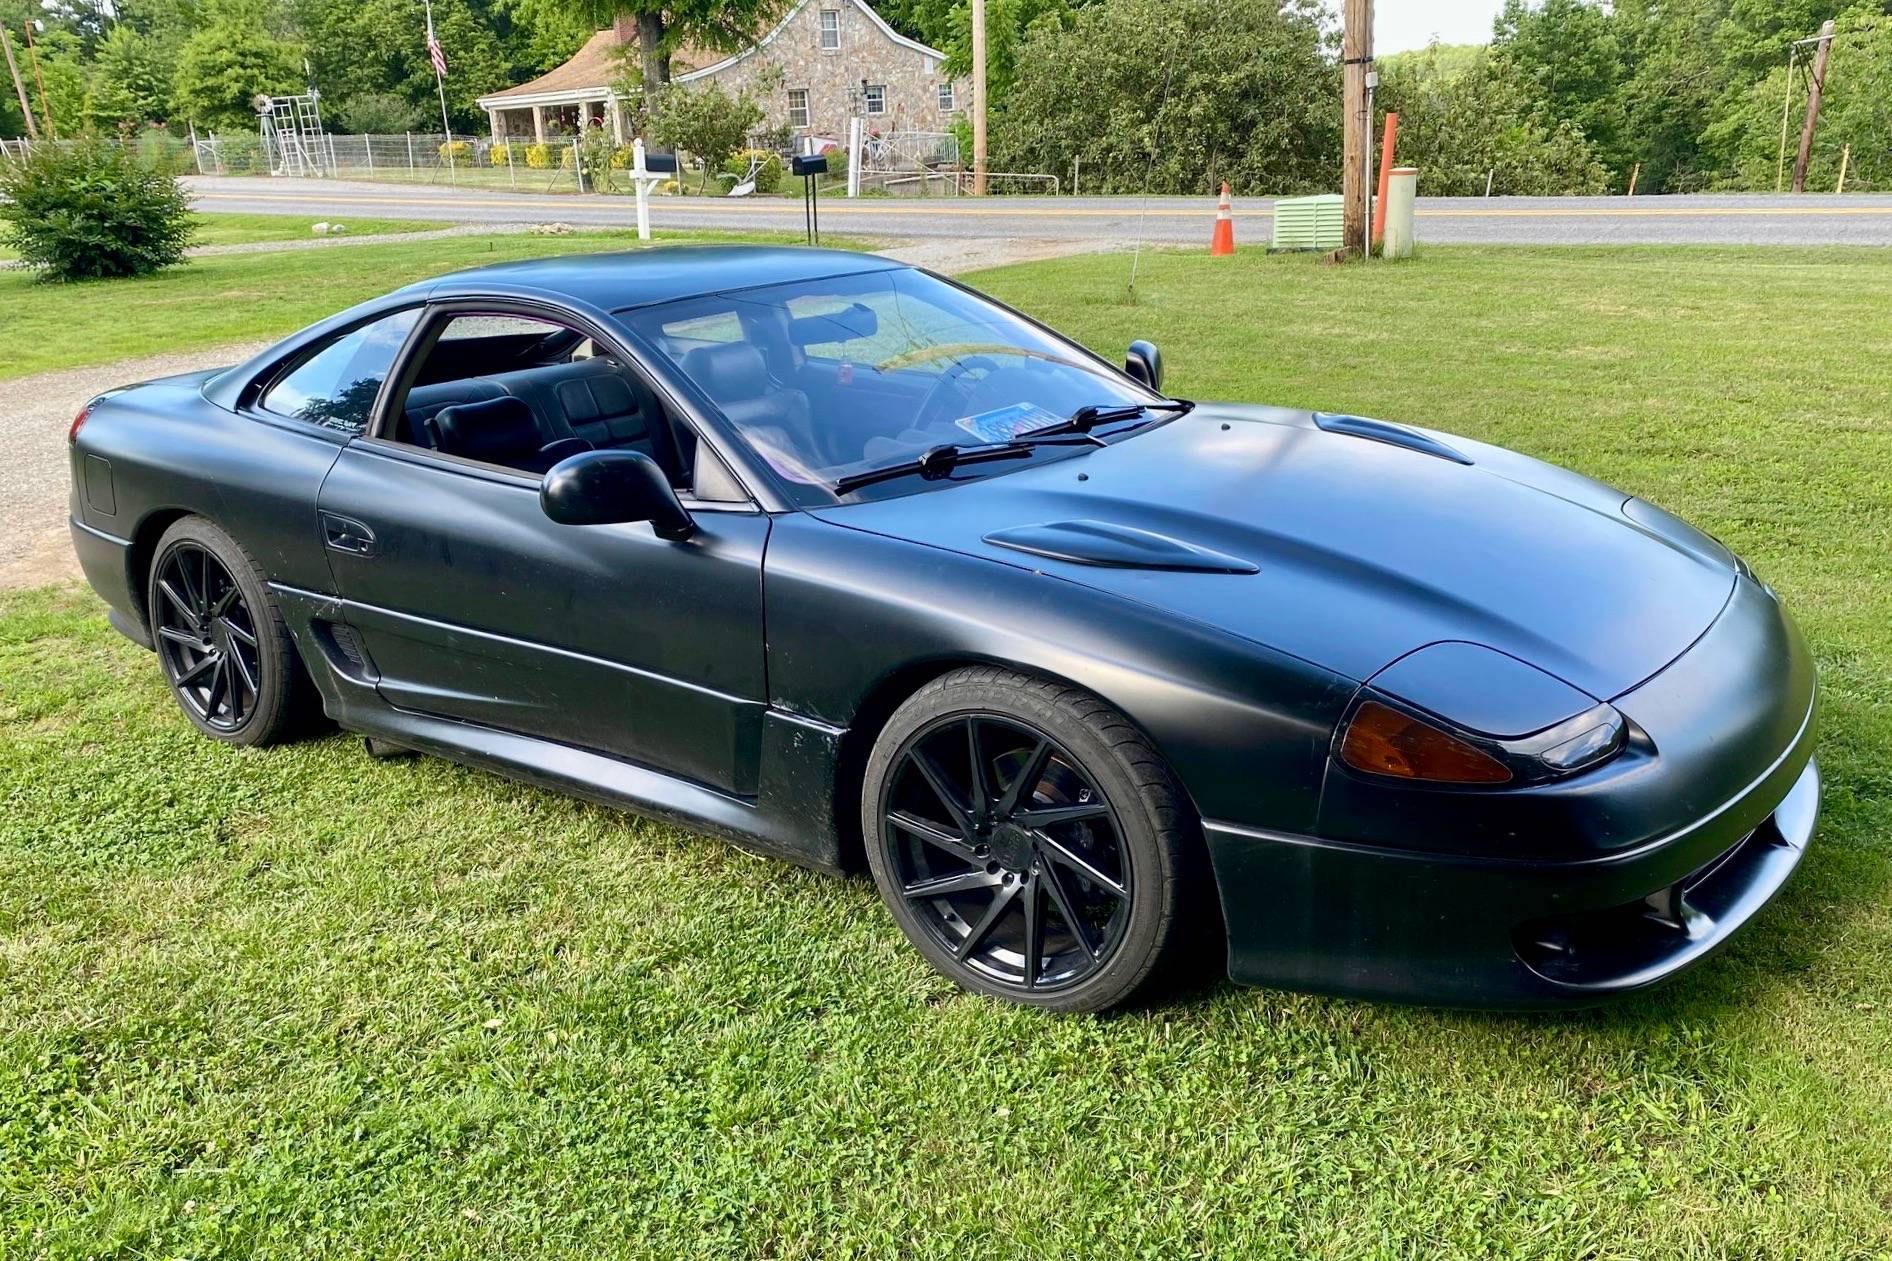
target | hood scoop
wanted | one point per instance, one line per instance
(1389, 433)
(1112, 546)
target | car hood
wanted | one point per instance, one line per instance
(1345, 543)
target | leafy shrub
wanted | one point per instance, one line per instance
(90, 209)
(241, 152)
(161, 151)
(622, 157)
(539, 157)
(768, 176)
(706, 121)
(500, 155)
(379, 114)
(459, 152)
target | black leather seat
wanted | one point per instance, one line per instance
(500, 431)
(736, 378)
(593, 400)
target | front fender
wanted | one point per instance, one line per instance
(1246, 729)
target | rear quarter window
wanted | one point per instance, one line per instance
(336, 386)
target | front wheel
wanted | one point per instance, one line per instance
(1030, 842)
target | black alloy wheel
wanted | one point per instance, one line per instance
(207, 637)
(1028, 841)
(221, 641)
(1007, 851)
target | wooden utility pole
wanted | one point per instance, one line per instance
(1813, 108)
(1356, 53)
(978, 98)
(32, 57)
(19, 87)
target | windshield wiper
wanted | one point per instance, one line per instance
(937, 462)
(1088, 417)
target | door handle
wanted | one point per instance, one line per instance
(345, 534)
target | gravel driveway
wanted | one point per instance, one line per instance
(34, 418)
(36, 411)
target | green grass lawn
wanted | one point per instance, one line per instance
(215, 228)
(302, 1002)
(224, 298)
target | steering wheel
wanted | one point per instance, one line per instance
(951, 392)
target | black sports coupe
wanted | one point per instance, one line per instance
(845, 562)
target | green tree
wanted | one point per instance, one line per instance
(362, 48)
(229, 62)
(1564, 54)
(1007, 22)
(1857, 111)
(1181, 94)
(706, 122)
(130, 78)
(1459, 126)
(663, 26)
(929, 21)
(57, 88)
(378, 114)
(1674, 80)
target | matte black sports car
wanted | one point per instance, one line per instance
(845, 562)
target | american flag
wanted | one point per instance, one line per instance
(433, 50)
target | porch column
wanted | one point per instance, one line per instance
(498, 128)
(538, 124)
(615, 108)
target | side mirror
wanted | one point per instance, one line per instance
(610, 487)
(1144, 362)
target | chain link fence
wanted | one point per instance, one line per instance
(898, 164)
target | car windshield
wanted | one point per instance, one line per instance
(833, 377)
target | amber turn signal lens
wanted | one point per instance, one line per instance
(1384, 741)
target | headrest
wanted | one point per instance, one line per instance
(728, 373)
(494, 430)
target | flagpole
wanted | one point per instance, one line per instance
(440, 83)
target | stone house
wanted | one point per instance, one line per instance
(837, 59)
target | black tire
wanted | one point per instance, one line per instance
(1101, 827)
(217, 603)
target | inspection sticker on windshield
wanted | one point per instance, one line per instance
(1005, 423)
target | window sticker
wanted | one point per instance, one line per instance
(1005, 423)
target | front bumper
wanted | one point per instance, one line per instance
(1339, 918)
(1556, 895)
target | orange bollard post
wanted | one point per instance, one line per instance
(1223, 242)
(1386, 174)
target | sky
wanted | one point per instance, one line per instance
(1402, 24)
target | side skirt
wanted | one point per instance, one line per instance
(791, 817)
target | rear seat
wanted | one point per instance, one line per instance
(588, 399)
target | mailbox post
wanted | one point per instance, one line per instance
(809, 166)
(647, 171)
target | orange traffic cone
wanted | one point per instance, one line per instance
(1223, 242)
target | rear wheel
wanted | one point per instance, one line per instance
(221, 641)
(1029, 841)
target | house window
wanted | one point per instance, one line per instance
(946, 98)
(830, 29)
(875, 94)
(798, 107)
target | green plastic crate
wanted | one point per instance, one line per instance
(1307, 223)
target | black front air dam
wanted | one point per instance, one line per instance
(1483, 928)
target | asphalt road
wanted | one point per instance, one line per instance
(1813, 219)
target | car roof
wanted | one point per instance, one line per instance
(630, 278)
